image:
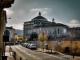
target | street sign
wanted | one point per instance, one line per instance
(5, 38)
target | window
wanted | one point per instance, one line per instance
(58, 31)
(64, 30)
(53, 31)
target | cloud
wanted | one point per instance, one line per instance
(42, 10)
(17, 26)
(36, 9)
(74, 23)
(9, 12)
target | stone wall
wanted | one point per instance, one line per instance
(74, 46)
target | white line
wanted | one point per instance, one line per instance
(52, 55)
(28, 53)
(61, 58)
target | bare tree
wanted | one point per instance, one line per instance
(73, 35)
(43, 37)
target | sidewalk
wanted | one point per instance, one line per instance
(64, 55)
(78, 58)
(7, 53)
(10, 58)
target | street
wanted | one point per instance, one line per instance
(27, 54)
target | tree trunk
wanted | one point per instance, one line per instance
(43, 45)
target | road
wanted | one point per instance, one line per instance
(28, 54)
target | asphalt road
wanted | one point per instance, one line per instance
(28, 54)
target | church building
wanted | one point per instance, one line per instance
(53, 30)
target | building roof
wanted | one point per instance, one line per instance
(39, 17)
(9, 27)
(52, 24)
(28, 22)
(40, 21)
(74, 28)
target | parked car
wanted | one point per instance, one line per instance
(23, 44)
(32, 46)
(19, 41)
(26, 45)
(16, 42)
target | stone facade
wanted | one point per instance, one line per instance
(39, 23)
(74, 46)
(12, 32)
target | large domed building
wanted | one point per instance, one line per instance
(53, 30)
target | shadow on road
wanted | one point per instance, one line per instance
(52, 53)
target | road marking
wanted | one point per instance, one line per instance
(58, 57)
(52, 55)
(28, 53)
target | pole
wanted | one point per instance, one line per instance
(20, 58)
(0, 36)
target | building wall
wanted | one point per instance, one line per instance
(2, 25)
(20, 37)
(61, 45)
(49, 31)
(12, 32)
(15, 37)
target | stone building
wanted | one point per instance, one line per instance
(53, 30)
(12, 32)
(71, 42)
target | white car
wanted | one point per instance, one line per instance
(26, 45)
(32, 46)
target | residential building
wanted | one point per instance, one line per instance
(15, 36)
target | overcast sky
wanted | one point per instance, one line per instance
(63, 11)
